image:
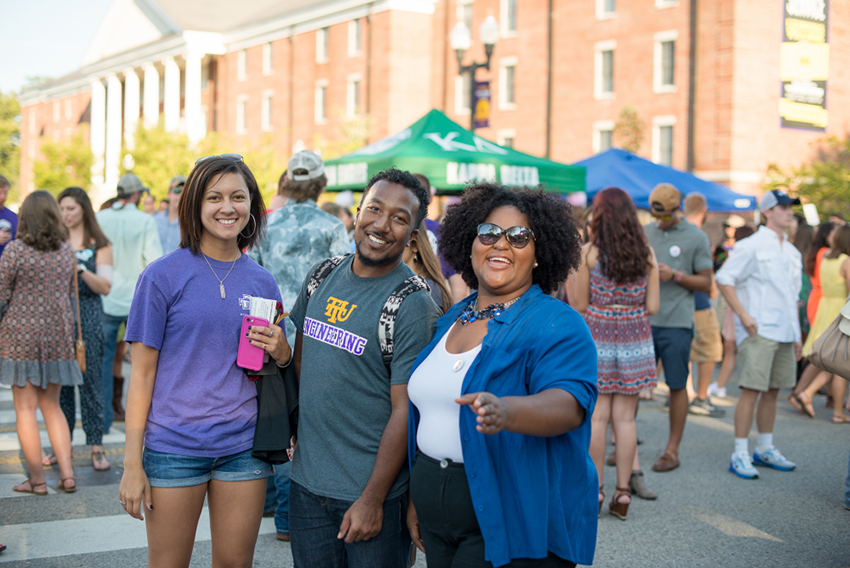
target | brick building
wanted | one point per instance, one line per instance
(704, 77)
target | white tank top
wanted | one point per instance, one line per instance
(433, 388)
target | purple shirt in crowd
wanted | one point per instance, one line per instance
(203, 404)
(8, 220)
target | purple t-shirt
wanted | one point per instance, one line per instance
(434, 227)
(8, 220)
(203, 404)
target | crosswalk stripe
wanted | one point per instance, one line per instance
(86, 536)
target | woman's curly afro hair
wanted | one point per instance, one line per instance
(557, 239)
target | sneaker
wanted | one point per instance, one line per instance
(705, 408)
(714, 390)
(773, 458)
(742, 466)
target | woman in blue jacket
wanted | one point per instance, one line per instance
(502, 397)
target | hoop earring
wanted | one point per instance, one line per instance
(252, 232)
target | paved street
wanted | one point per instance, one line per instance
(704, 517)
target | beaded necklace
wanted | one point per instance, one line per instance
(470, 314)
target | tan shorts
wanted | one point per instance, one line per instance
(764, 364)
(707, 346)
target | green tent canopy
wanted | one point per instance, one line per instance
(450, 156)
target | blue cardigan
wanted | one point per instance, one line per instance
(531, 494)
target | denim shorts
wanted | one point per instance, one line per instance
(174, 470)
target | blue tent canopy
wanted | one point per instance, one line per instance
(637, 177)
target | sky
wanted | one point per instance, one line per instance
(45, 38)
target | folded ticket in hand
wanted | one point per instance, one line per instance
(263, 308)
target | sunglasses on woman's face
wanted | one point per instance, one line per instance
(231, 157)
(518, 237)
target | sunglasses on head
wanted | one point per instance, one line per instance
(231, 157)
(517, 237)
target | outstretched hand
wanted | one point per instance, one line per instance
(492, 411)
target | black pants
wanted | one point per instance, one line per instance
(447, 521)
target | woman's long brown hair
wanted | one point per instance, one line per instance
(40, 222)
(617, 234)
(91, 230)
(431, 266)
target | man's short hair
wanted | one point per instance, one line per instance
(407, 180)
(331, 208)
(694, 203)
(4, 182)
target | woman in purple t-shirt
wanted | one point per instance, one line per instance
(191, 412)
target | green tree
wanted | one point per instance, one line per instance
(629, 130)
(158, 156)
(64, 164)
(825, 180)
(10, 139)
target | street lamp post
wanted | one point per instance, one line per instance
(461, 40)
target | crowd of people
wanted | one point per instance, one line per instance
(440, 365)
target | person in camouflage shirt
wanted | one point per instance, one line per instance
(298, 235)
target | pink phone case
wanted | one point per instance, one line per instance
(250, 356)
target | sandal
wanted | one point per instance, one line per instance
(618, 509)
(806, 402)
(98, 461)
(50, 459)
(792, 400)
(64, 487)
(601, 499)
(840, 419)
(32, 488)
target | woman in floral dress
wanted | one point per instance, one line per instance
(37, 334)
(616, 288)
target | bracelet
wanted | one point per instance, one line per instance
(679, 276)
(291, 357)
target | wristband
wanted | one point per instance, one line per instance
(678, 276)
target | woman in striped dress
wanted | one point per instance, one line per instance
(616, 288)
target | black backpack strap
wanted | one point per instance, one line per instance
(389, 313)
(322, 271)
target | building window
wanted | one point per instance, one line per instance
(664, 75)
(320, 112)
(241, 62)
(602, 135)
(266, 111)
(604, 73)
(507, 83)
(506, 137)
(464, 13)
(606, 9)
(666, 3)
(56, 110)
(322, 45)
(508, 17)
(205, 77)
(662, 139)
(352, 98)
(68, 109)
(241, 111)
(267, 58)
(462, 94)
(354, 37)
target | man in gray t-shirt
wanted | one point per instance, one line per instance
(348, 495)
(684, 267)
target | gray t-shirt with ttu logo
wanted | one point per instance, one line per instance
(344, 399)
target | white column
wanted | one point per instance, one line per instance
(195, 127)
(151, 95)
(98, 134)
(131, 107)
(171, 104)
(113, 133)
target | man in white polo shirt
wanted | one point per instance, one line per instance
(761, 282)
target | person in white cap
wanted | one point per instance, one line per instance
(761, 282)
(135, 244)
(298, 235)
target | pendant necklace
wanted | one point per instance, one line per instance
(221, 280)
(470, 314)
